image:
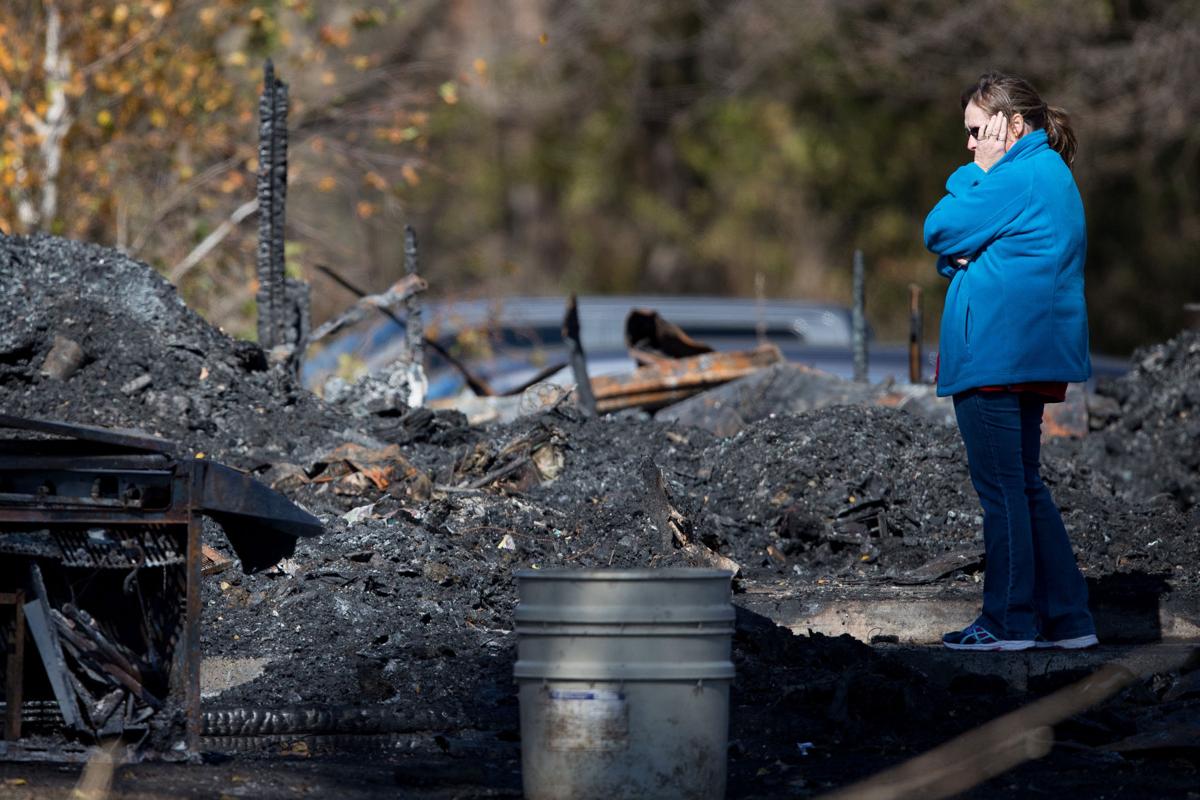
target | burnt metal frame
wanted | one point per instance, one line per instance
(256, 519)
(185, 675)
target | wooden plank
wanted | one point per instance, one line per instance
(214, 562)
(664, 382)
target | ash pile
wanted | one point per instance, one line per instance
(397, 622)
(1149, 425)
(93, 337)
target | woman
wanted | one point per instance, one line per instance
(1009, 234)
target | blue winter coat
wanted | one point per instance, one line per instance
(1016, 312)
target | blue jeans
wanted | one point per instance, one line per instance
(1031, 581)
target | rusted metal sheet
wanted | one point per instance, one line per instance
(82, 520)
(656, 385)
(261, 524)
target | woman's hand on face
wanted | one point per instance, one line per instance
(992, 142)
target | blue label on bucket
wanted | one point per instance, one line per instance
(591, 694)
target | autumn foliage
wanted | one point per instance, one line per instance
(675, 146)
(134, 123)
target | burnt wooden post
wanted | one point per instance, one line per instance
(272, 297)
(414, 327)
(914, 333)
(655, 505)
(14, 677)
(570, 331)
(858, 319)
(189, 645)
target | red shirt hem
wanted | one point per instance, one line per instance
(1052, 391)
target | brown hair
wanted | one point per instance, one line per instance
(1007, 94)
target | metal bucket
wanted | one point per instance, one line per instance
(624, 682)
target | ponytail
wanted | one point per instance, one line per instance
(1059, 133)
(996, 92)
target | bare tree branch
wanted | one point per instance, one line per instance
(212, 240)
(177, 199)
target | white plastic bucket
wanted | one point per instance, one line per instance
(624, 683)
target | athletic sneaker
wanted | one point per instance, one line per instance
(1076, 643)
(977, 637)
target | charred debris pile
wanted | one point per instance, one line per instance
(405, 603)
(1149, 425)
(93, 337)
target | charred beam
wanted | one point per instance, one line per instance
(570, 330)
(103, 661)
(664, 382)
(414, 327)
(914, 333)
(37, 616)
(80, 620)
(858, 319)
(14, 678)
(656, 507)
(272, 199)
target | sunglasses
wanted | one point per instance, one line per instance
(973, 132)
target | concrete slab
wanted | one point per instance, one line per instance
(1024, 670)
(921, 614)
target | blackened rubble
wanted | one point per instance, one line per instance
(1148, 444)
(406, 601)
(150, 362)
(435, 573)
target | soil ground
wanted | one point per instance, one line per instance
(404, 605)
